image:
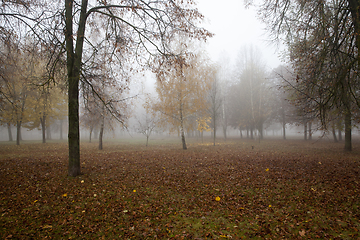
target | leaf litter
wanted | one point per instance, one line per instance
(279, 190)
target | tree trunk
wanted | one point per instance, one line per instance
(334, 134)
(101, 137)
(18, 132)
(310, 133)
(348, 145)
(284, 130)
(42, 122)
(214, 129)
(283, 120)
(182, 130)
(101, 133)
(305, 131)
(91, 130)
(73, 62)
(261, 131)
(147, 140)
(9, 132)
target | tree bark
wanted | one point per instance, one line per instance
(348, 145)
(214, 129)
(9, 132)
(182, 128)
(73, 74)
(18, 132)
(91, 130)
(42, 122)
(101, 136)
(310, 133)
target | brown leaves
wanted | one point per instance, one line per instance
(128, 191)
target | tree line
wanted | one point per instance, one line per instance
(89, 51)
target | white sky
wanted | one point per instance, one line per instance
(234, 26)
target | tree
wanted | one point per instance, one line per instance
(323, 40)
(137, 29)
(17, 89)
(182, 91)
(215, 99)
(203, 125)
(147, 122)
(282, 109)
(248, 93)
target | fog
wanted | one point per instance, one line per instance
(247, 106)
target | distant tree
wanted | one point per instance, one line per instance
(147, 122)
(182, 91)
(282, 109)
(249, 93)
(215, 101)
(16, 86)
(324, 41)
(203, 125)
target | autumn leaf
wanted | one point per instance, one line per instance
(302, 232)
(217, 199)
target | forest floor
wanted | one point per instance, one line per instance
(238, 189)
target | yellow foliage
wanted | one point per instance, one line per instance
(203, 124)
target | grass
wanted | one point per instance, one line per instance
(239, 189)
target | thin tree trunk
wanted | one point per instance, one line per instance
(91, 130)
(214, 129)
(305, 131)
(348, 145)
(18, 132)
(182, 129)
(284, 130)
(9, 132)
(284, 122)
(310, 133)
(334, 134)
(261, 131)
(42, 122)
(101, 135)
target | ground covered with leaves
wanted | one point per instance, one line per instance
(238, 189)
